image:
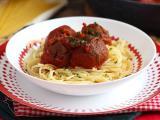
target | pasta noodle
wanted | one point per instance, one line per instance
(118, 65)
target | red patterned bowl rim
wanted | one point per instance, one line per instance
(15, 98)
(30, 46)
(136, 53)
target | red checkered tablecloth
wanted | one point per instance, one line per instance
(151, 105)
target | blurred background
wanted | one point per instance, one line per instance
(15, 14)
(145, 14)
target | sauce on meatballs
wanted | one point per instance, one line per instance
(65, 47)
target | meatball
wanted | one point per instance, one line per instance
(56, 48)
(92, 54)
(59, 34)
(95, 30)
(66, 48)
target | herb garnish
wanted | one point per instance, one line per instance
(75, 42)
(95, 23)
(92, 32)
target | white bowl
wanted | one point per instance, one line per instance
(144, 49)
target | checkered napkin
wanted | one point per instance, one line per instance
(151, 105)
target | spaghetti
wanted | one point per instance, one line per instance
(118, 65)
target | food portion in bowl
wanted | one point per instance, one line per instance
(85, 57)
(66, 48)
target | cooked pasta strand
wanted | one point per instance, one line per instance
(118, 65)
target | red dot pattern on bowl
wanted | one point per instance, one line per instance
(137, 62)
(138, 56)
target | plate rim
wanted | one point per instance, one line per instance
(15, 98)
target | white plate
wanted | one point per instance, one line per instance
(129, 94)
